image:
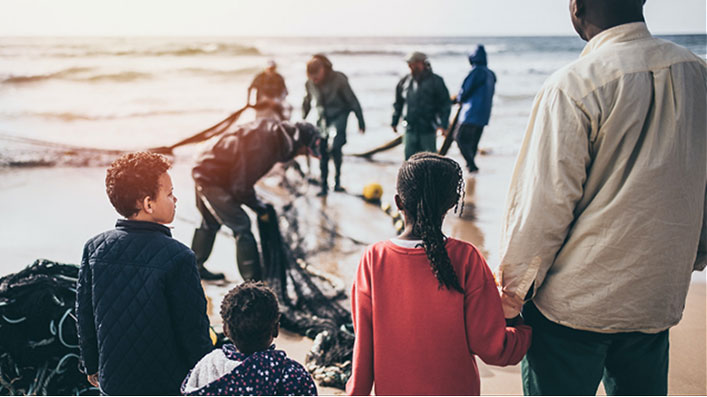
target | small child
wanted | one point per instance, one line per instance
(251, 320)
(141, 310)
(424, 305)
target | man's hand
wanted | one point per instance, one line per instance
(361, 130)
(395, 129)
(441, 131)
(93, 379)
(511, 303)
(263, 210)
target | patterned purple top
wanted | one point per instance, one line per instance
(229, 372)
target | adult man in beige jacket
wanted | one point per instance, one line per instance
(605, 218)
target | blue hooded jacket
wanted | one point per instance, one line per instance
(476, 93)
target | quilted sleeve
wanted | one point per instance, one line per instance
(188, 309)
(86, 329)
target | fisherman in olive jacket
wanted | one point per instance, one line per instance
(334, 100)
(422, 101)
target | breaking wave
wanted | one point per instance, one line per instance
(69, 116)
(93, 75)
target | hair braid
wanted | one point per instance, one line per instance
(429, 185)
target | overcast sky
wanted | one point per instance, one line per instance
(318, 17)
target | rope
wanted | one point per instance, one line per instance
(61, 323)
(56, 145)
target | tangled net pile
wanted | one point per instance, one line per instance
(309, 302)
(39, 352)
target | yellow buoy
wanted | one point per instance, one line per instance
(372, 192)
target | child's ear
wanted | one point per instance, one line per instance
(226, 331)
(276, 329)
(398, 202)
(147, 205)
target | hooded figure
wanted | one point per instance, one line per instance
(224, 177)
(476, 98)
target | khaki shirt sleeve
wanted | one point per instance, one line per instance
(701, 260)
(546, 185)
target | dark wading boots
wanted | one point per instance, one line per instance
(247, 255)
(202, 244)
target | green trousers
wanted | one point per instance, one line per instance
(419, 142)
(566, 361)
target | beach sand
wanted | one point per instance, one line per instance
(51, 212)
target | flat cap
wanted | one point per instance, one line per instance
(416, 57)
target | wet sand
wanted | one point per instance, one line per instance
(51, 212)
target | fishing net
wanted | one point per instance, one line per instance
(308, 301)
(39, 352)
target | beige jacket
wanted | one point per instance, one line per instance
(606, 210)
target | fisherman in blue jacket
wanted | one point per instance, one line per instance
(476, 98)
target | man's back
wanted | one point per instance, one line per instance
(426, 102)
(239, 159)
(334, 98)
(623, 133)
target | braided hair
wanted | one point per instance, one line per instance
(429, 185)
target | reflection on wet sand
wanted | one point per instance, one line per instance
(463, 226)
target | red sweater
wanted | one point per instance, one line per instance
(413, 338)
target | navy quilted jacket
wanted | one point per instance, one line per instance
(141, 310)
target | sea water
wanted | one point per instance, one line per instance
(133, 93)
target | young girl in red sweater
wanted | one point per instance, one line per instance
(424, 305)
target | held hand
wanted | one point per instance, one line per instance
(93, 379)
(511, 303)
(441, 131)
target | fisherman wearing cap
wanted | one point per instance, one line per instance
(476, 97)
(225, 176)
(334, 100)
(422, 101)
(270, 88)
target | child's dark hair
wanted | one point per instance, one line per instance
(250, 314)
(428, 186)
(133, 177)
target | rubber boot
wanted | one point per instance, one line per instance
(338, 159)
(201, 244)
(337, 185)
(324, 167)
(247, 257)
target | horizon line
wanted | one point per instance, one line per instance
(333, 36)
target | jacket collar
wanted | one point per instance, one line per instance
(232, 352)
(617, 34)
(128, 225)
(423, 75)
